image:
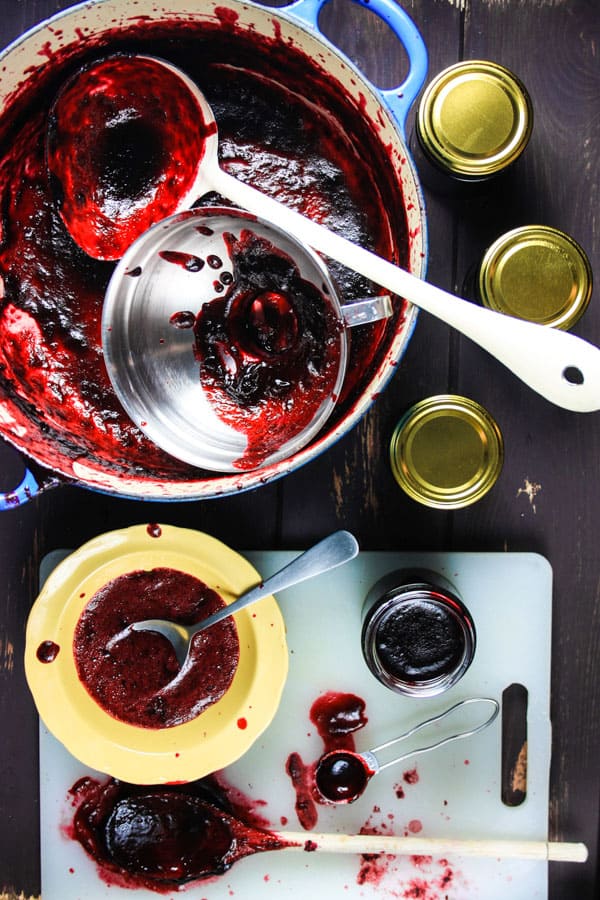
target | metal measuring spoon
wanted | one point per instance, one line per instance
(341, 776)
(334, 550)
(561, 367)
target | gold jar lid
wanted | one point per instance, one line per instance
(446, 452)
(536, 273)
(475, 119)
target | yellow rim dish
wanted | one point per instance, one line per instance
(214, 739)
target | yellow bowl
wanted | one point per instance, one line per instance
(215, 738)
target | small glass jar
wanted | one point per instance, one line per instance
(418, 638)
(473, 121)
(536, 273)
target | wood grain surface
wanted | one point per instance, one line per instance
(547, 498)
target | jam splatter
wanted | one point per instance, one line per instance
(395, 875)
(138, 679)
(187, 261)
(154, 529)
(336, 716)
(184, 318)
(47, 651)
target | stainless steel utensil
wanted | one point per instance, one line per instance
(341, 776)
(148, 339)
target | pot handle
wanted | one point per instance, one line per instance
(28, 488)
(31, 485)
(398, 99)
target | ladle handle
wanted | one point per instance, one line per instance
(561, 367)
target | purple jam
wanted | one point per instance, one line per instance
(268, 349)
(341, 777)
(420, 640)
(135, 681)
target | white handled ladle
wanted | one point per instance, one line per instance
(334, 550)
(561, 367)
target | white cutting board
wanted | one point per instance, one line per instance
(458, 788)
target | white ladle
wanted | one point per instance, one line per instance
(561, 367)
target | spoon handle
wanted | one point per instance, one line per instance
(561, 367)
(416, 846)
(334, 550)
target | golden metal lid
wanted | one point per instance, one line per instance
(475, 118)
(446, 452)
(536, 273)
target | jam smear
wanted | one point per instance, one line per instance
(268, 349)
(336, 716)
(159, 837)
(138, 680)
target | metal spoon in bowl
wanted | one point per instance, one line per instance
(561, 367)
(334, 550)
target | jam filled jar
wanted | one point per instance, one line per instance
(418, 637)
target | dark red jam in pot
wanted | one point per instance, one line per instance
(138, 679)
(418, 637)
(325, 160)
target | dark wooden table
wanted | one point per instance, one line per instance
(554, 48)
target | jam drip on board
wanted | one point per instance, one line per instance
(138, 680)
(268, 349)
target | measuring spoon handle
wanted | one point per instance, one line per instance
(561, 367)
(430, 725)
